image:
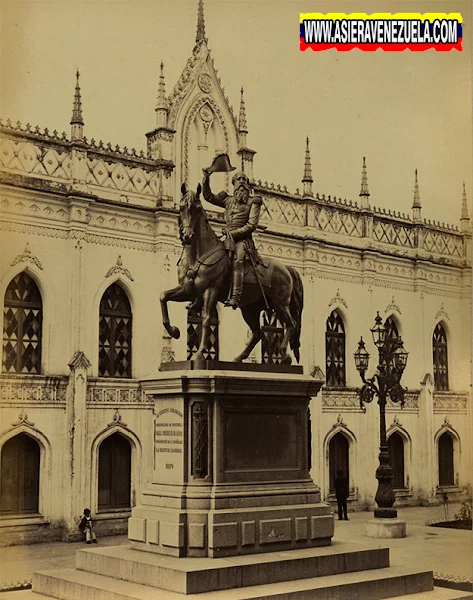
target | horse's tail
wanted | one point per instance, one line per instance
(296, 305)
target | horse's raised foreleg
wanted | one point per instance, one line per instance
(251, 314)
(284, 315)
(210, 301)
(176, 294)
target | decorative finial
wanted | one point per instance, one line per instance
(364, 191)
(416, 203)
(161, 100)
(77, 106)
(307, 165)
(77, 123)
(464, 218)
(200, 36)
(307, 178)
(242, 124)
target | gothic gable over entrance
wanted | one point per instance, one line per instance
(196, 122)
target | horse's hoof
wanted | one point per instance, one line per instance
(239, 359)
(174, 332)
(287, 360)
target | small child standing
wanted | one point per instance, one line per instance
(87, 527)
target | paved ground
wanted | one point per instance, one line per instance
(447, 551)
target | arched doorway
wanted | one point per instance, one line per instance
(446, 460)
(19, 484)
(396, 459)
(114, 473)
(338, 459)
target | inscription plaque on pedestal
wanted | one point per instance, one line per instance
(168, 442)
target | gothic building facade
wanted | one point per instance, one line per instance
(90, 239)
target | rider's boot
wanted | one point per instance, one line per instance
(237, 286)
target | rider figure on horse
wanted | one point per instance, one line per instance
(242, 213)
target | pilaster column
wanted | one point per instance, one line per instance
(78, 451)
(426, 453)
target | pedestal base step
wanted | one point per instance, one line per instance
(196, 575)
(71, 584)
(436, 594)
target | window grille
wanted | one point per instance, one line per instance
(115, 330)
(22, 326)
(335, 351)
(440, 358)
(194, 329)
(272, 333)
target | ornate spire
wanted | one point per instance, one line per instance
(161, 101)
(77, 106)
(464, 214)
(200, 35)
(464, 218)
(77, 124)
(364, 191)
(416, 203)
(307, 178)
(242, 125)
(307, 165)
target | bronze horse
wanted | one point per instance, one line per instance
(204, 275)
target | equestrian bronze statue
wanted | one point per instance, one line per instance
(229, 269)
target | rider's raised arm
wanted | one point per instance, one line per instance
(253, 219)
(219, 199)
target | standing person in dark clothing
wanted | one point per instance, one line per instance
(341, 493)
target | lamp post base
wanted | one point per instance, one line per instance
(385, 513)
(386, 528)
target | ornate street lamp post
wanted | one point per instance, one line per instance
(392, 361)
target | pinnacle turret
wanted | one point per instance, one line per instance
(161, 102)
(464, 218)
(416, 205)
(364, 191)
(77, 123)
(200, 35)
(242, 124)
(307, 178)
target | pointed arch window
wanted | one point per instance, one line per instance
(115, 327)
(114, 473)
(194, 331)
(338, 458)
(446, 463)
(396, 459)
(19, 491)
(335, 350)
(392, 336)
(22, 326)
(440, 358)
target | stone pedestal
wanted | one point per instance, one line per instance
(386, 528)
(230, 463)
